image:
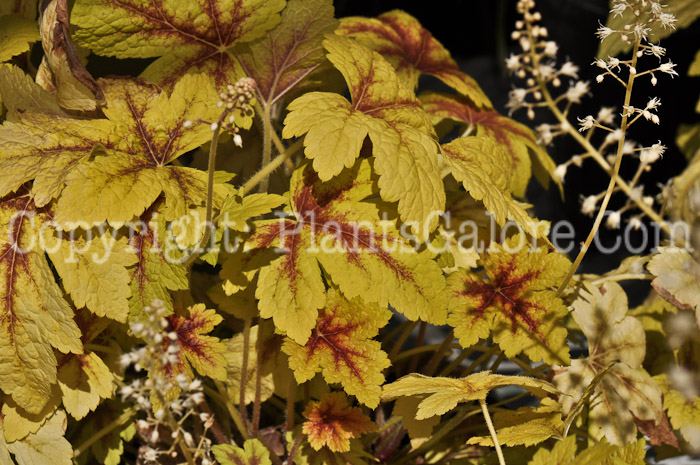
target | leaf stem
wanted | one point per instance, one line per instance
(232, 409)
(267, 144)
(489, 424)
(244, 374)
(116, 423)
(440, 353)
(291, 397)
(258, 388)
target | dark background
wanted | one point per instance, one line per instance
(477, 33)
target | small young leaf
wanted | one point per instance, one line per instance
(331, 423)
(252, 453)
(341, 347)
(511, 301)
(412, 50)
(204, 353)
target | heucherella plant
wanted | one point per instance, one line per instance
(274, 246)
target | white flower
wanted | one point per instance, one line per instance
(657, 51)
(613, 220)
(603, 32)
(569, 69)
(586, 123)
(600, 63)
(667, 20)
(653, 103)
(560, 172)
(187, 124)
(550, 48)
(578, 90)
(668, 68)
(545, 133)
(606, 115)
(589, 205)
(513, 62)
(613, 62)
(214, 126)
(651, 154)
(613, 136)
(545, 71)
(635, 223)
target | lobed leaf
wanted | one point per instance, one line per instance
(189, 38)
(677, 278)
(365, 257)
(626, 393)
(518, 140)
(35, 318)
(440, 395)
(252, 453)
(45, 447)
(383, 108)
(341, 348)
(331, 423)
(286, 55)
(511, 301)
(412, 50)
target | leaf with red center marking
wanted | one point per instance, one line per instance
(35, 318)
(331, 423)
(113, 168)
(290, 52)
(439, 395)
(625, 395)
(190, 37)
(519, 140)
(412, 50)
(383, 108)
(511, 301)
(341, 346)
(365, 257)
(252, 453)
(204, 353)
(130, 169)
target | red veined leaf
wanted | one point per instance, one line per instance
(511, 301)
(519, 140)
(412, 50)
(331, 423)
(341, 347)
(331, 228)
(192, 37)
(291, 51)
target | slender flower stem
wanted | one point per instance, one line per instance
(492, 430)
(293, 449)
(116, 423)
(613, 178)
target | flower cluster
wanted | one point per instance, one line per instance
(236, 102)
(165, 416)
(536, 65)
